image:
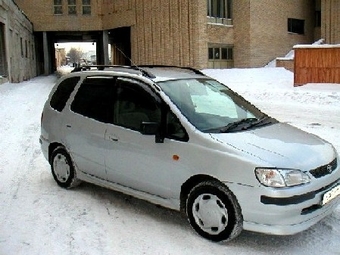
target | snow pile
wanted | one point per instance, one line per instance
(62, 70)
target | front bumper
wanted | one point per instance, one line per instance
(285, 212)
(292, 219)
(306, 222)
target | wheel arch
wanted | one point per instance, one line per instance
(51, 148)
(189, 184)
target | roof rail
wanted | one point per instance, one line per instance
(196, 71)
(102, 67)
(137, 68)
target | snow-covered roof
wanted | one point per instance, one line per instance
(316, 46)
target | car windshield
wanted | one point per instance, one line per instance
(212, 107)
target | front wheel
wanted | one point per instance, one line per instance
(214, 212)
(62, 168)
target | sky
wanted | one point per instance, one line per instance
(85, 47)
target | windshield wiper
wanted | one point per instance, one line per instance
(241, 124)
(263, 121)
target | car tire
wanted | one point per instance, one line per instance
(63, 170)
(213, 211)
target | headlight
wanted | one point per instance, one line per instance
(279, 178)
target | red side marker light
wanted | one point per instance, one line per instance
(175, 157)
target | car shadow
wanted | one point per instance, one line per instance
(114, 200)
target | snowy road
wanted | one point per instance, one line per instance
(38, 217)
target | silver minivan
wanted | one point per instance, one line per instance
(180, 139)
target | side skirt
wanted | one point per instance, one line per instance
(173, 204)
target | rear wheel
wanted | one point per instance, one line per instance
(63, 169)
(214, 212)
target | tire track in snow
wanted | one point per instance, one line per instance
(21, 104)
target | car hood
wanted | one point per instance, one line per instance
(280, 145)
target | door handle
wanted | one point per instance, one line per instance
(113, 138)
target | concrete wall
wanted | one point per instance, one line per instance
(19, 45)
(177, 32)
(41, 13)
(119, 13)
(168, 34)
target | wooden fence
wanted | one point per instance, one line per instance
(316, 64)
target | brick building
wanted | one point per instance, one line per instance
(330, 21)
(17, 47)
(198, 33)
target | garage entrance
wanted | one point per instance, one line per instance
(120, 40)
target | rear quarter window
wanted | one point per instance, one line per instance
(63, 92)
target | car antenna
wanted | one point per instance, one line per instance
(133, 65)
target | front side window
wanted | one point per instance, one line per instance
(63, 92)
(209, 105)
(296, 26)
(58, 7)
(135, 103)
(94, 99)
(86, 7)
(174, 128)
(72, 7)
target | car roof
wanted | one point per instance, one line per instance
(156, 73)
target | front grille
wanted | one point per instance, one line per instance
(324, 170)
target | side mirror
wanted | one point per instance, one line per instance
(152, 128)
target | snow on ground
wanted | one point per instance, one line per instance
(38, 217)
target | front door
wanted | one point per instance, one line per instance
(133, 159)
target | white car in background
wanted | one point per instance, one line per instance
(180, 139)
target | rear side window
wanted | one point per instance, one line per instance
(63, 92)
(94, 99)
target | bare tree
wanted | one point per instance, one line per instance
(75, 55)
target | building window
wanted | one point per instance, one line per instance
(220, 11)
(21, 47)
(86, 7)
(220, 56)
(58, 7)
(32, 51)
(227, 53)
(3, 60)
(220, 53)
(296, 26)
(26, 50)
(72, 7)
(317, 18)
